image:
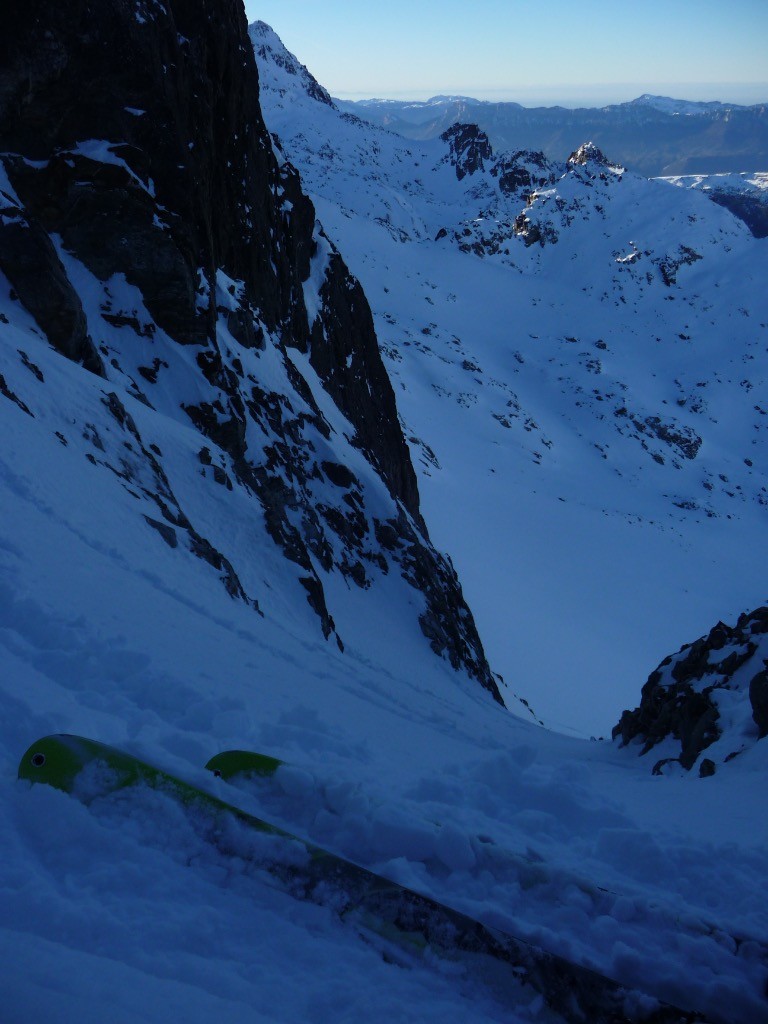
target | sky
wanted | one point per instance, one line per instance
(572, 52)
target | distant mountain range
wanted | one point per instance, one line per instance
(652, 135)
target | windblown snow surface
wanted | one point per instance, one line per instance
(580, 366)
(120, 911)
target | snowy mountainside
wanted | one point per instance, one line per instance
(579, 354)
(685, 108)
(140, 271)
(744, 194)
(110, 631)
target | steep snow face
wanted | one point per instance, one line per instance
(578, 354)
(112, 631)
(289, 75)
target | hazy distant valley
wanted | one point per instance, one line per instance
(652, 135)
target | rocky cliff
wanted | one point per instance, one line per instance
(157, 236)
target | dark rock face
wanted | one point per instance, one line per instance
(30, 262)
(752, 209)
(669, 266)
(469, 148)
(344, 352)
(758, 698)
(707, 768)
(134, 157)
(524, 171)
(172, 93)
(682, 440)
(680, 700)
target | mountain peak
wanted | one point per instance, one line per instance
(290, 76)
(588, 152)
(689, 108)
(470, 100)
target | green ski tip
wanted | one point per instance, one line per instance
(229, 763)
(58, 760)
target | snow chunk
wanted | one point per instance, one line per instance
(317, 273)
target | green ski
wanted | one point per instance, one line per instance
(231, 765)
(87, 770)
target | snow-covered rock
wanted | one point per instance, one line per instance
(173, 253)
(289, 75)
(712, 696)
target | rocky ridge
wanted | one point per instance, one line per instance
(289, 71)
(158, 237)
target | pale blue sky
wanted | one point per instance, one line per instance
(569, 51)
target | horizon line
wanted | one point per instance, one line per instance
(591, 94)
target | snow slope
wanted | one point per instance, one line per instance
(744, 194)
(579, 355)
(122, 912)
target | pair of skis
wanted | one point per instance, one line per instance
(405, 919)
